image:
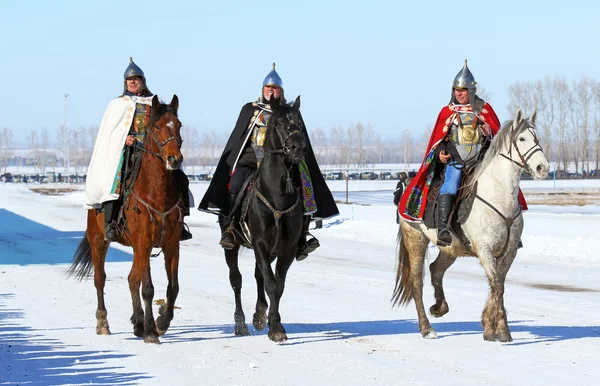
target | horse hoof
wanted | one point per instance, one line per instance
(490, 336)
(259, 321)
(241, 330)
(103, 331)
(138, 331)
(504, 337)
(438, 312)
(151, 339)
(162, 325)
(429, 334)
(278, 337)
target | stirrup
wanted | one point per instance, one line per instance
(442, 239)
(185, 233)
(111, 233)
(228, 243)
(309, 247)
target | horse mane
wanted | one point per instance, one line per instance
(503, 138)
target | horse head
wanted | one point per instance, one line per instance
(164, 130)
(525, 149)
(286, 123)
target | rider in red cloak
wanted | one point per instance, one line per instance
(461, 128)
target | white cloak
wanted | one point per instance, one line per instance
(112, 134)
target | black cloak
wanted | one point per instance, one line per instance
(216, 196)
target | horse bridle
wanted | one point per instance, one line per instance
(524, 157)
(160, 145)
(283, 138)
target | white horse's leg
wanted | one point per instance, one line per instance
(415, 248)
(493, 317)
(438, 269)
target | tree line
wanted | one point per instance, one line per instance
(568, 118)
(568, 123)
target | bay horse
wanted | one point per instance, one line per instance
(493, 228)
(274, 219)
(153, 211)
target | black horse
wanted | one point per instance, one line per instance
(273, 214)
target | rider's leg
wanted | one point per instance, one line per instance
(110, 227)
(307, 242)
(452, 178)
(235, 186)
(183, 185)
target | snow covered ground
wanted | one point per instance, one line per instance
(342, 329)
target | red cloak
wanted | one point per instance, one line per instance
(414, 200)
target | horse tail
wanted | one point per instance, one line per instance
(81, 265)
(403, 290)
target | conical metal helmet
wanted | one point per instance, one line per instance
(273, 79)
(464, 78)
(133, 70)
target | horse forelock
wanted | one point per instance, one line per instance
(501, 141)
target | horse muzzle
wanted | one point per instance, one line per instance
(541, 171)
(174, 163)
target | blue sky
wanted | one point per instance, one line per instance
(389, 64)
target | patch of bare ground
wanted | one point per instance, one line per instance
(53, 191)
(563, 196)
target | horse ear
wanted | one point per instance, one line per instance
(296, 105)
(155, 102)
(533, 116)
(174, 103)
(518, 117)
(274, 102)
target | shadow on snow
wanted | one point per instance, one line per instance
(25, 242)
(301, 333)
(28, 358)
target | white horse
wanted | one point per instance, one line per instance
(493, 228)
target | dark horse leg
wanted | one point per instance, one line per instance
(143, 322)
(90, 255)
(235, 279)
(438, 269)
(165, 311)
(274, 286)
(493, 317)
(99, 248)
(260, 315)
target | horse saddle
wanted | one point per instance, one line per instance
(459, 214)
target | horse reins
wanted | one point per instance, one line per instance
(527, 155)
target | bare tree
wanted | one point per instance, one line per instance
(318, 140)
(44, 148)
(520, 97)
(33, 143)
(582, 104)
(561, 94)
(545, 109)
(6, 138)
(596, 94)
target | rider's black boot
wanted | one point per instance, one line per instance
(306, 245)
(185, 233)
(445, 202)
(111, 233)
(227, 237)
